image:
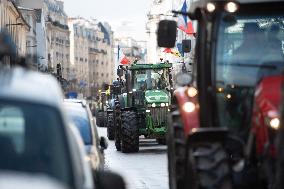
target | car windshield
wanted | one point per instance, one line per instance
(249, 48)
(32, 140)
(80, 118)
(151, 79)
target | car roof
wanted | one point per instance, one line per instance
(75, 101)
(30, 86)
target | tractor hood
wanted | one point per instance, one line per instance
(156, 96)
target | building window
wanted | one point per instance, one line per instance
(97, 73)
(102, 63)
(102, 75)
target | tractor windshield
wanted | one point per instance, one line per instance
(248, 49)
(151, 79)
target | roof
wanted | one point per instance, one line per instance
(149, 66)
(203, 3)
(29, 86)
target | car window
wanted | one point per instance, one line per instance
(79, 116)
(26, 131)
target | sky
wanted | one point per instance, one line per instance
(125, 16)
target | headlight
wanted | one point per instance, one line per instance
(231, 7)
(188, 107)
(191, 92)
(163, 104)
(210, 7)
(148, 111)
(134, 90)
(167, 104)
(274, 123)
(153, 105)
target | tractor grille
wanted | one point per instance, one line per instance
(159, 116)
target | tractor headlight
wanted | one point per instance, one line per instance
(210, 7)
(188, 107)
(167, 104)
(148, 111)
(274, 123)
(133, 90)
(163, 104)
(153, 105)
(231, 7)
(191, 92)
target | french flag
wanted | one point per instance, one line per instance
(183, 23)
(122, 59)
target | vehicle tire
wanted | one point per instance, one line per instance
(176, 151)
(100, 119)
(117, 128)
(129, 132)
(208, 167)
(110, 127)
(161, 141)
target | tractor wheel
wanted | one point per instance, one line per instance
(208, 167)
(100, 119)
(176, 152)
(129, 132)
(161, 141)
(117, 141)
(110, 127)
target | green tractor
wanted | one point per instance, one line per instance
(142, 104)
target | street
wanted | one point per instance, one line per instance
(142, 170)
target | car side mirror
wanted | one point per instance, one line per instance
(108, 180)
(103, 143)
(167, 32)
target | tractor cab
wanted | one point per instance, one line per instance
(231, 105)
(142, 104)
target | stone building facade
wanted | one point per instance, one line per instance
(91, 54)
(58, 43)
(12, 22)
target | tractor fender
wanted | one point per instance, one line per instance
(266, 107)
(190, 120)
(210, 134)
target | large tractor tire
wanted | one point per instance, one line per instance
(208, 167)
(129, 132)
(110, 127)
(176, 152)
(100, 119)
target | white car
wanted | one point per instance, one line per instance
(80, 114)
(35, 134)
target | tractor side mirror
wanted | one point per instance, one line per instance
(128, 81)
(186, 45)
(119, 72)
(167, 32)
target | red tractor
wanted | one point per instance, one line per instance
(226, 120)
